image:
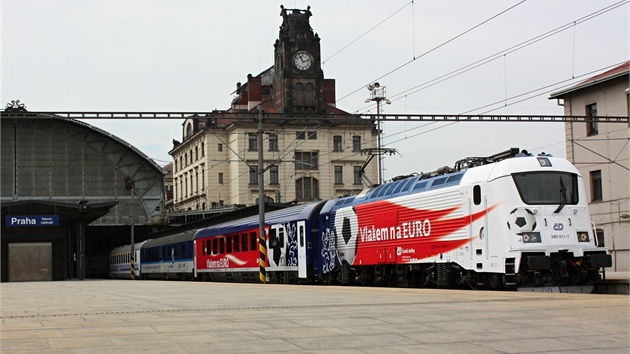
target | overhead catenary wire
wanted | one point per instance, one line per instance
(492, 57)
(434, 49)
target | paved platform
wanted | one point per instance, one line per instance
(122, 316)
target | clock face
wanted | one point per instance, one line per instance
(303, 61)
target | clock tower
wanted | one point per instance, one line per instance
(298, 76)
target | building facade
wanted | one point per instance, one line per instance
(601, 151)
(311, 149)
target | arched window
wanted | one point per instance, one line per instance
(189, 130)
(309, 95)
(299, 94)
(307, 188)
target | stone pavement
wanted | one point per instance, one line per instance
(122, 316)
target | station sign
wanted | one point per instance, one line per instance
(32, 220)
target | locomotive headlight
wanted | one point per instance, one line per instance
(583, 236)
(531, 237)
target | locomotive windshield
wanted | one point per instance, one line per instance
(558, 188)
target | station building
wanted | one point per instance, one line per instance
(316, 153)
(58, 177)
(601, 152)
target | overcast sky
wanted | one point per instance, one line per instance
(188, 56)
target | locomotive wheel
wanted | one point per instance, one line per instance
(493, 281)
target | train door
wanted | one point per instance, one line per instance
(479, 229)
(301, 226)
(276, 246)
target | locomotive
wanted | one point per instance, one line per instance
(507, 221)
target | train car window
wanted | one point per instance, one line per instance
(215, 246)
(420, 185)
(252, 241)
(439, 181)
(301, 236)
(236, 243)
(455, 178)
(204, 249)
(385, 190)
(273, 238)
(244, 241)
(398, 187)
(376, 191)
(477, 194)
(222, 245)
(281, 236)
(183, 250)
(228, 244)
(407, 185)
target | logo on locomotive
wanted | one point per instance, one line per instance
(221, 263)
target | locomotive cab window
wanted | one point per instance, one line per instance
(547, 188)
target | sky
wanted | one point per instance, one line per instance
(433, 57)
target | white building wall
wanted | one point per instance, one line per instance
(234, 159)
(608, 152)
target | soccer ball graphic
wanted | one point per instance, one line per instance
(346, 235)
(521, 220)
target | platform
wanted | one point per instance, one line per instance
(123, 316)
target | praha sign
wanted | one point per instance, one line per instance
(32, 220)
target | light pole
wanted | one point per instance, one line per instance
(262, 243)
(377, 94)
(129, 186)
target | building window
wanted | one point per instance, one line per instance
(253, 174)
(337, 143)
(189, 130)
(338, 174)
(312, 135)
(253, 142)
(309, 95)
(299, 94)
(273, 175)
(306, 160)
(304, 95)
(300, 135)
(203, 150)
(601, 240)
(596, 186)
(357, 175)
(219, 147)
(196, 153)
(203, 178)
(307, 188)
(220, 177)
(273, 142)
(356, 143)
(591, 122)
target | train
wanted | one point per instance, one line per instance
(506, 221)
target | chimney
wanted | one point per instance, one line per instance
(254, 91)
(329, 92)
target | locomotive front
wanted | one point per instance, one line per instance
(552, 243)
